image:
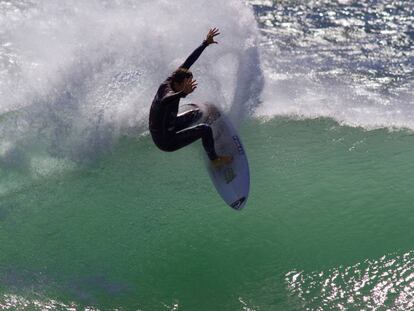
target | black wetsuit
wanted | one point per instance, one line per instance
(170, 131)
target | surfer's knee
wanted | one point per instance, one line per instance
(167, 147)
(204, 128)
(164, 144)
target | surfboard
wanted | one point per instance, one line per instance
(231, 181)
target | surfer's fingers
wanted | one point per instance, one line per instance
(213, 32)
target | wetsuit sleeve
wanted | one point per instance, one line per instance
(172, 97)
(194, 56)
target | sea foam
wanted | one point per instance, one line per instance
(77, 75)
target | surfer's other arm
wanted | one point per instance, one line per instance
(187, 87)
(197, 52)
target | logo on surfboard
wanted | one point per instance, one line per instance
(239, 147)
(229, 175)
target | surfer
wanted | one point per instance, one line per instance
(171, 131)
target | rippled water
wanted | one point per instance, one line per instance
(349, 60)
(368, 285)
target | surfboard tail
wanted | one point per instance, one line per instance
(239, 204)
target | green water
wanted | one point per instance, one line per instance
(139, 229)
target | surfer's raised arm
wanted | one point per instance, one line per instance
(197, 52)
(181, 82)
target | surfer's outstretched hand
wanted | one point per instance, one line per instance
(189, 86)
(211, 34)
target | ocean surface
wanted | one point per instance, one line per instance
(94, 217)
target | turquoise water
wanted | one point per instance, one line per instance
(145, 230)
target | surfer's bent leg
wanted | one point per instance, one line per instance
(185, 119)
(191, 134)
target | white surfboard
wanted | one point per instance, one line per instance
(232, 181)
